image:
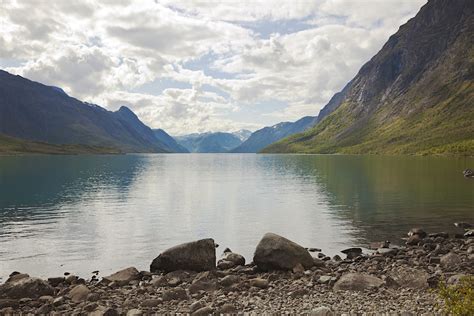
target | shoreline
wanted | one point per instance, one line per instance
(392, 279)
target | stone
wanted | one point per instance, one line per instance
(134, 312)
(196, 305)
(417, 231)
(469, 233)
(123, 277)
(110, 312)
(60, 300)
(276, 252)
(56, 281)
(413, 240)
(204, 311)
(357, 282)
(259, 282)
(79, 293)
(195, 256)
(387, 251)
(93, 297)
(7, 302)
(44, 309)
(314, 249)
(205, 284)
(227, 309)
(298, 269)
(15, 276)
(321, 311)
(152, 302)
(25, 287)
(90, 307)
(159, 281)
(175, 294)
(230, 260)
(324, 279)
(352, 253)
(229, 280)
(410, 278)
(450, 261)
(455, 279)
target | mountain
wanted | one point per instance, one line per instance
(36, 112)
(13, 146)
(209, 142)
(242, 134)
(169, 141)
(268, 135)
(415, 96)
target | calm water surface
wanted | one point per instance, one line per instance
(82, 213)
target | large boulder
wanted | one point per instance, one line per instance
(357, 282)
(194, 256)
(230, 259)
(25, 287)
(277, 252)
(410, 277)
(123, 277)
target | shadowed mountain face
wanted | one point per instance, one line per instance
(169, 141)
(209, 142)
(414, 96)
(270, 134)
(33, 111)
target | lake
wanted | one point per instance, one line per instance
(85, 213)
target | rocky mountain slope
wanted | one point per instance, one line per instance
(218, 142)
(415, 96)
(36, 112)
(270, 134)
(169, 141)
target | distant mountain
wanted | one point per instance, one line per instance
(268, 135)
(169, 141)
(415, 96)
(36, 112)
(242, 134)
(209, 142)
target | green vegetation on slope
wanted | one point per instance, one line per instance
(447, 128)
(15, 146)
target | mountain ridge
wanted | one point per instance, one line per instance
(414, 96)
(39, 113)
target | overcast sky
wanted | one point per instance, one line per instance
(195, 66)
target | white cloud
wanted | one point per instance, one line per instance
(105, 51)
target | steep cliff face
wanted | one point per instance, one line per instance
(414, 96)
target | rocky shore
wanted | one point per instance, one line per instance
(283, 277)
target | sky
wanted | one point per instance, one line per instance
(197, 66)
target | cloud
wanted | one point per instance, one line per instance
(229, 57)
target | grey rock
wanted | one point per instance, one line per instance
(229, 280)
(79, 293)
(195, 256)
(151, 302)
(410, 277)
(357, 282)
(123, 277)
(134, 312)
(259, 282)
(175, 294)
(25, 287)
(321, 311)
(277, 252)
(450, 261)
(352, 253)
(204, 311)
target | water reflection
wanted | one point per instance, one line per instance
(106, 212)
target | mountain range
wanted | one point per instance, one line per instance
(35, 112)
(218, 142)
(268, 135)
(415, 96)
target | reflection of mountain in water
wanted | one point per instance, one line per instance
(382, 197)
(34, 185)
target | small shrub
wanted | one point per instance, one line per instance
(458, 299)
